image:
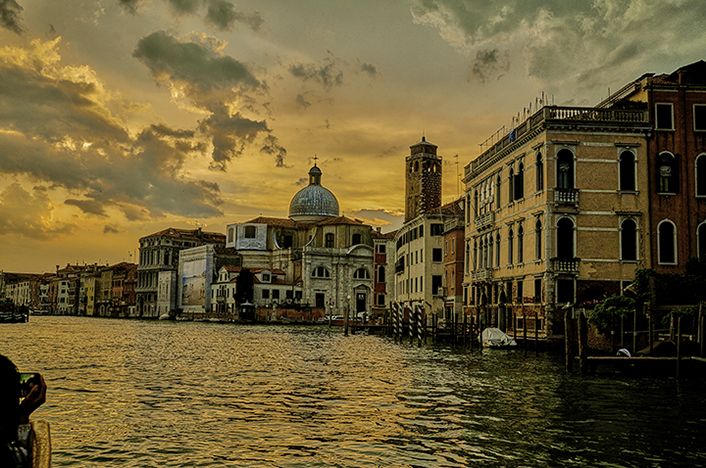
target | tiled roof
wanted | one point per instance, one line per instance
(453, 208)
(340, 220)
(193, 234)
(279, 222)
(386, 235)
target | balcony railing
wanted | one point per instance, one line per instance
(564, 196)
(566, 265)
(482, 274)
(485, 220)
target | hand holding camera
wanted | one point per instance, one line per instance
(33, 392)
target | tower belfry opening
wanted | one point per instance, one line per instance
(422, 179)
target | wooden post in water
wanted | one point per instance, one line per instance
(650, 326)
(567, 339)
(583, 343)
(536, 329)
(634, 331)
(524, 327)
(678, 346)
(419, 326)
(612, 333)
(702, 328)
(622, 331)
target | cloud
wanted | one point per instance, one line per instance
(490, 63)
(562, 42)
(30, 214)
(223, 15)
(272, 147)
(10, 12)
(369, 69)
(111, 229)
(327, 73)
(129, 5)
(301, 101)
(214, 83)
(56, 130)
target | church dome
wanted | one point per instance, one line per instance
(314, 202)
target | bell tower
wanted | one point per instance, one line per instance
(422, 180)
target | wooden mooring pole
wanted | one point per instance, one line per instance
(583, 343)
(567, 339)
(678, 346)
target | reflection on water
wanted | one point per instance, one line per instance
(157, 394)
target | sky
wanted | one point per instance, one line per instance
(120, 118)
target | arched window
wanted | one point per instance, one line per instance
(627, 171)
(701, 240)
(539, 173)
(475, 203)
(666, 173)
(498, 182)
(701, 175)
(666, 242)
(510, 241)
(321, 272)
(538, 239)
(381, 274)
(565, 238)
(490, 252)
(565, 169)
(416, 166)
(329, 240)
(361, 273)
(520, 244)
(511, 186)
(520, 182)
(250, 232)
(497, 249)
(628, 240)
(475, 255)
(485, 252)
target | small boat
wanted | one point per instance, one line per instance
(496, 338)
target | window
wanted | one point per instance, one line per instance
(265, 277)
(381, 274)
(381, 300)
(328, 241)
(265, 293)
(421, 231)
(565, 169)
(538, 239)
(468, 257)
(565, 291)
(628, 240)
(664, 117)
(627, 171)
(510, 240)
(275, 294)
(490, 252)
(666, 242)
(520, 291)
(520, 244)
(231, 233)
(356, 239)
(249, 232)
(497, 249)
(565, 238)
(667, 173)
(537, 290)
(520, 182)
(436, 255)
(539, 173)
(701, 175)
(381, 249)
(498, 182)
(511, 186)
(436, 285)
(361, 273)
(701, 241)
(437, 229)
(287, 242)
(699, 117)
(321, 272)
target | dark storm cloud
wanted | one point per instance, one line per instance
(185, 6)
(224, 16)
(490, 63)
(327, 73)
(191, 63)
(58, 133)
(564, 42)
(211, 81)
(10, 12)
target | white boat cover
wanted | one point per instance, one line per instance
(496, 338)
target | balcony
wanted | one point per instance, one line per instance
(566, 265)
(485, 220)
(563, 196)
(483, 274)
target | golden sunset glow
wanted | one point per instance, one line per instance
(120, 118)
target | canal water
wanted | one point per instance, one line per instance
(174, 394)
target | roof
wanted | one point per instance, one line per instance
(387, 235)
(192, 234)
(340, 220)
(453, 208)
(278, 222)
